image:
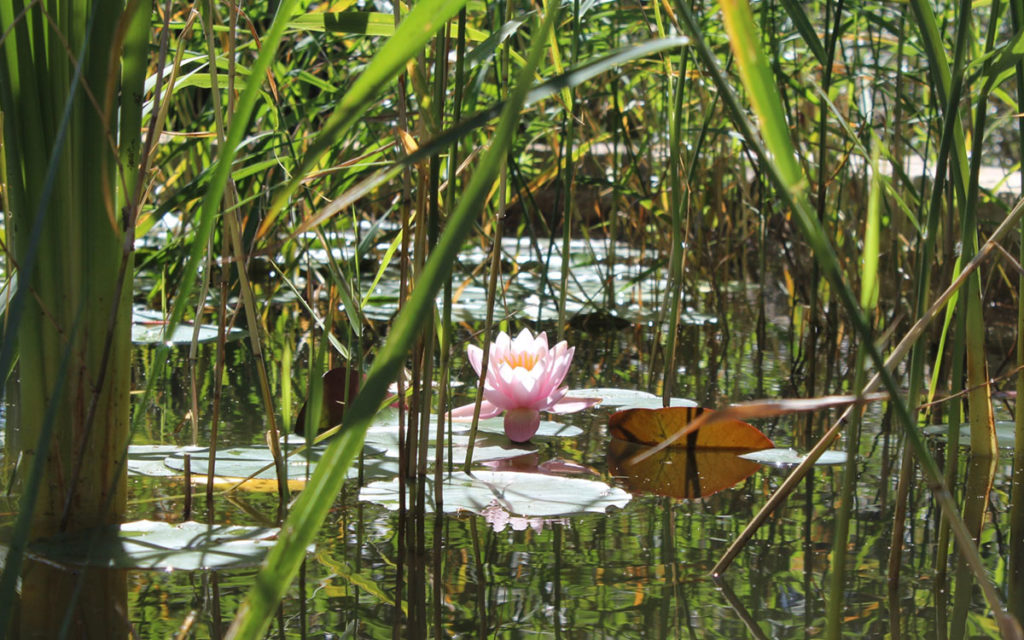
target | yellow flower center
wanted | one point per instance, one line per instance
(522, 359)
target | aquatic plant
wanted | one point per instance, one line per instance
(525, 379)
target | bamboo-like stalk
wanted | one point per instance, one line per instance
(69, 213)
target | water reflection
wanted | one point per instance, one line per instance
(635, 572)
(685, 473)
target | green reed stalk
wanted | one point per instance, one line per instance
(868, 302)
(70, 211)
(675, 259)
(983, 434)
(969, 339)
(787, 174)
(568, 169)
(1015, 589)
(446, 310)
(948, 86)
(983, 441)
(313, 504)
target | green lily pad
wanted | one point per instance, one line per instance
(145, 544)
(148, 459)
(611, 397)
(525, 494)
(656, 403)
(787, 457)
(148, 328)
(245, 462)
(547, 429)
(1005, 430)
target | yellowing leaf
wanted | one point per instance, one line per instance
(654, 426)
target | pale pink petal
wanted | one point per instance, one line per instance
(476, 356)
(530, 391)
(465, 412)
(500, 398)
(560, 364)
(502, 344)
(521, 424)
(525, 340)
(572, 405)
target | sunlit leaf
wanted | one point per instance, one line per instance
(145, 544)
(787, 457)
(525, 494)
(654, 426)
(687, 474)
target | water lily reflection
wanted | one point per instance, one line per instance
(523, 378)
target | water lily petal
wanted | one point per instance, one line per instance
(465, 412)
(521, 424)
(526, 342)
(560, 363)
(572, 405)
(476, 356)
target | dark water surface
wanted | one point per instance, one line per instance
(636, 572)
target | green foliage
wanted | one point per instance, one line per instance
(279, 132)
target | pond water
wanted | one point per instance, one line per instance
(639, 570)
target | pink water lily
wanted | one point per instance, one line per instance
(523, 378)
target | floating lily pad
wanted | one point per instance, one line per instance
(654, 426)
(148, 328)
(656, 403)
(148, 459)
(145, 544)
(525, 494)
(611, 397)
(547, 429)
(786, 457)
(243, 462)
(1004, 433)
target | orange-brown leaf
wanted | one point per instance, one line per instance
(654, 426)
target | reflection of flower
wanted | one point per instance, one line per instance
(496, 516)
(523, 378)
